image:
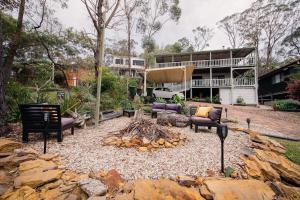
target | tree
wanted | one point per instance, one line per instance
(230, 25)
(292, 42)
(202, 35)
(98, 10)
(8, 58)
(276, 20)
(154, 14)
(130, 8)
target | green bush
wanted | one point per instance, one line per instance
(197, 99)
(216, 99)
(160, 100)
(286, 105)
(177, 99)
(207, 99)
(16, 94)
(240, 100)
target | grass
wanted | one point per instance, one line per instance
(293, 149)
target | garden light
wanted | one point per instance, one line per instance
(248, 122)
(222, 132)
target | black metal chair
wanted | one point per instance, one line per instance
(33, 120)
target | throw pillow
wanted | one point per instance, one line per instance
(203, 111)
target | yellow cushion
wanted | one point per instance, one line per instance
(203, 111)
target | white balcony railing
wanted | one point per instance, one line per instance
(223, 82)
(235, 62)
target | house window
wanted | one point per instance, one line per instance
(127, 62)
(138, 62)
(119, 61)
(277, 78)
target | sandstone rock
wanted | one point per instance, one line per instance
(161, 141)
(48, 156)
(259, 169)
(37, 164)
(199, 181)
(234, 174)
(35, 178)
(7, 146)
(154, 144)
(97, 198)
(186, 181)
(127, 187)
(24, 193)
(239, 189)
(5, 181)
(210, 173)
(287, 192)
(143, 149)
(93, 187)
(265, 143)
(25, 151)
(14, 161)
(163, 189)
(113, 181)
(205, 193)
(287, 170)
(146, 141)
(113, 140)
(129, 196)
(168, 145)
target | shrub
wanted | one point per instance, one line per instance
(16, 94)
(197, 99)
(177, 99)
(216, 99)
(207, 99)
(240, 100)
(160, 100)
(294, 89)
(281, 105)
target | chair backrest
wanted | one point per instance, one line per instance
(156, 105)
(220, 114)
(33, 116)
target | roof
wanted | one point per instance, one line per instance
(282, 68)
(216, 54)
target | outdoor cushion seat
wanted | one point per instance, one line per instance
(66, 122)
(160, 107)
(158, 110)
(205, 120)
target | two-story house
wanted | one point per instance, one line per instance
(120, 65)
(229, 73)
(273, 85)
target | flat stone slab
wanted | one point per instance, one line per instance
(224, 189)
(93, 187)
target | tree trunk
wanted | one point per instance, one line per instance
(7, 65)
(129, 43)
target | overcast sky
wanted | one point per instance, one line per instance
(194, 13)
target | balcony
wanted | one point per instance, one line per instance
(200, 83)
(234, 62)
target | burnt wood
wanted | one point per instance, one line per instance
(32, 116)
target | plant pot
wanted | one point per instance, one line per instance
(132, 91)
(150, 91)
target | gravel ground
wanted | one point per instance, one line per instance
(84, 152)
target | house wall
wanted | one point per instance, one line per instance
(248, 94)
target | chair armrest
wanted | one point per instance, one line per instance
(192, 110)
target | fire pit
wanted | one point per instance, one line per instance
(145, 135)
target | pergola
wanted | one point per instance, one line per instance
(177, 74)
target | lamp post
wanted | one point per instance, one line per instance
(222, 132)
(248, 120)
(46, 122)
(226, 112)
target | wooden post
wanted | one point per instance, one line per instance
(145, 83)
(210, 77)
(185, 83)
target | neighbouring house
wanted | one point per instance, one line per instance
(273, 85)
(120, 65)
(227, 73)
(75, 74)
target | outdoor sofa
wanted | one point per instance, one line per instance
(33, 120)
(212, 120)
(165, 107)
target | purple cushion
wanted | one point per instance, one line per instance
(173, 107)
(195, 119)
(66, 121)
(215, 114)
(159, 106)
(158, 110)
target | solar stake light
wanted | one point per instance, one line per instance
(226, 112)
(46, 123)
(222, 132)
(248, 122)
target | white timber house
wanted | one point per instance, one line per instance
(120, 65)
(229, 73)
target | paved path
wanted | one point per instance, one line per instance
(264, 119)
